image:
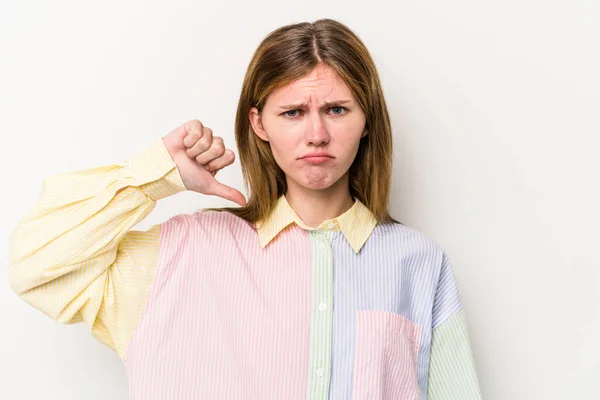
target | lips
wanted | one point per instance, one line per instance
(317, 155)
(316, 158)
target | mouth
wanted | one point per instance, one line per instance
(316, 159)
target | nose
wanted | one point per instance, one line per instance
(316, 132)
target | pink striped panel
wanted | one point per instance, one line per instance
(385, 357)
(227, 324)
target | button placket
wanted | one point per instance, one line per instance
(321, 327)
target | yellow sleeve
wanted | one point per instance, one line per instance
(73, 256)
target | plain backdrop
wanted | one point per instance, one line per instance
(495, 111)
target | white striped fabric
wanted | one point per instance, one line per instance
(207, 306)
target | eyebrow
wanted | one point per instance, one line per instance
(325, 104)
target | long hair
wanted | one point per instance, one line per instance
(290, 53)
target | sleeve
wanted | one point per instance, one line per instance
(452, 372)
(73, 256)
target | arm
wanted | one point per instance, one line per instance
(452, 373)
(73, 255)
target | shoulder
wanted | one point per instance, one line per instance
(212, 221)
(408, 238)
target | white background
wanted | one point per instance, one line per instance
(495, 109)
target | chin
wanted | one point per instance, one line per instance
(316, 180)
(318, 184)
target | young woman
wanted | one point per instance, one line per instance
(308, 290)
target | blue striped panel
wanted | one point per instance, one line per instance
(398, 270)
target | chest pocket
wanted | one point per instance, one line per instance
(385, 356)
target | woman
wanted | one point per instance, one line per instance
(308, 290)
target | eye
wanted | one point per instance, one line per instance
(338, 108)
(290, 111)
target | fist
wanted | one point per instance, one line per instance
(199, 156)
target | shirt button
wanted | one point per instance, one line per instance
(331, 225)
(322, 245)
(322, 306)
(320, 371)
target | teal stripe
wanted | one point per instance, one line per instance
(452, 372)
(319, 372)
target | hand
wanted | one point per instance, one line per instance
(199, 156)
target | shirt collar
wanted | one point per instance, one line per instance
(356, 223)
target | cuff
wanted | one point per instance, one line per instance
(155, 172)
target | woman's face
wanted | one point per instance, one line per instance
(315, 115)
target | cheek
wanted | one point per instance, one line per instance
(284, 142)
(283, 152)
(349, 145)
(280, 147)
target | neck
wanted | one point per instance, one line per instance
(316, 206)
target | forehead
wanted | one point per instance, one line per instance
(322, 83)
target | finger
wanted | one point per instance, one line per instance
(193, 131)
(217, 149)
(202, 144)
(226, 192)
(226, 159)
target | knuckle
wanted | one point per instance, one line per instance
(203, 144)
(195, 126)
(194, 136)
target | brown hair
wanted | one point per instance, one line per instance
(290, 53)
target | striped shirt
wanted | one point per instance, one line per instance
(208, 306)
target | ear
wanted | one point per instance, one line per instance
(364, 133)
(255, 120)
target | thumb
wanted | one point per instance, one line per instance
(229, 193)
